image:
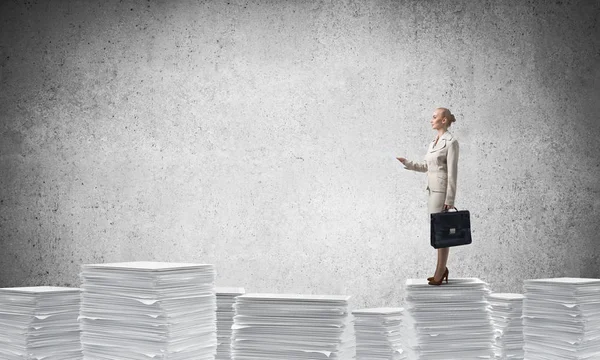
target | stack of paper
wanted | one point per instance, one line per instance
(286, 326)
(506, 312)
(561, 318)
(450, 321)
(148, 310)
(225, 312)
(378, 334)
(39, 323)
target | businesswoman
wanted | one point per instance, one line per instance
(440, 164)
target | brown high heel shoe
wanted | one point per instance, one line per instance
(431, 277)
(433, 282)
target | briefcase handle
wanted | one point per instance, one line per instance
(453, 207)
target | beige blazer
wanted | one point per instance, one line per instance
(441, 165)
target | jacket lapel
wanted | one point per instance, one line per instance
(441, 142)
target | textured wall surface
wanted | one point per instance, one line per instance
(262, 136)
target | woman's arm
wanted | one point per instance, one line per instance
(452, 161)
(414, 166)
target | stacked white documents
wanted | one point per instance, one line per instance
(561, 318)
(378, 334)
(450, 321)
(506, 311)
(148, 310)
(291, 327)
(39, 322)
(225, 312)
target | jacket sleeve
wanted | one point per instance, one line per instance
(416, 166)
(452, 162)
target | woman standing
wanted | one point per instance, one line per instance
(440, 164)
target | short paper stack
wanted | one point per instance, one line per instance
(39, 323)
(292, 327)
(225, 312)
(378, 334)
(506, 311)
(561, 318)
(148, 310)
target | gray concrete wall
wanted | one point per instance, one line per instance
(262, 136)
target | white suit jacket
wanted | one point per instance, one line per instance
(441, 165)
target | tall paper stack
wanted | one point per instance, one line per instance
(39, 322)
(148, 310)
(506, 311)
(449, 322)
(225, 312)
(292, 327)
(378, 334)
(561, 318)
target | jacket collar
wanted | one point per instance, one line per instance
(447, 136)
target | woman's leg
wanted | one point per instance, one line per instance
(436, 204)
(442, 261)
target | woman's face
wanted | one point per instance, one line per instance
(438, 121)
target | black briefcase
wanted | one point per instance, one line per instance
(450, 228)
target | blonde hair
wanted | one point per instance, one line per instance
(448, 115)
